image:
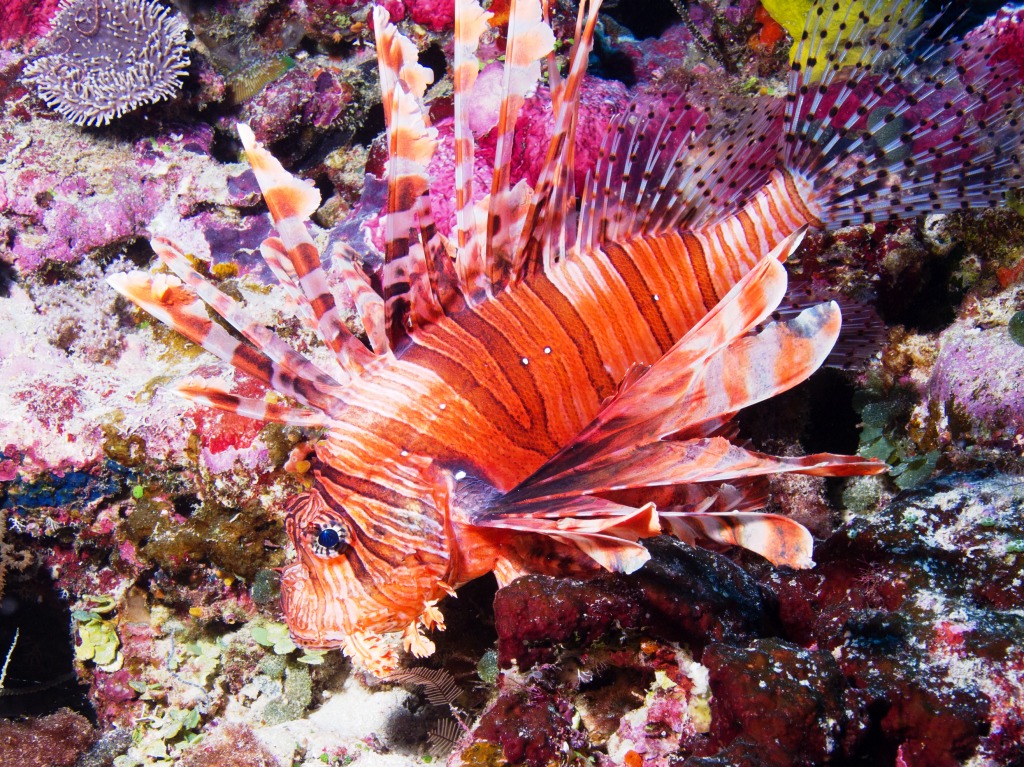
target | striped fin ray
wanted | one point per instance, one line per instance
(419, 283)
(740, 495)
(887, 122)
(758, 366)
(367, 303)
(291, 203)
(550, 224)
(554, 76)
(445, 284)
(670, 164)
(529, 41)
(779, 539)
(666, 463)
(398, 61)
(177, 306)
(210, 395)
(671, 464)
(259, 336)
(470, 23)
(607, 532)
(275, 254)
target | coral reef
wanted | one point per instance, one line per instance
(683, 593)
(140, 537)
(902, 644)
(10, 557)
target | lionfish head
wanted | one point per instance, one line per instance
(369, 562)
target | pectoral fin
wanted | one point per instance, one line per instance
(780, 540)
(666, 432)
(607, 532)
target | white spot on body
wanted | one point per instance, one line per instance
(405, 454)
(443, 406)
(460, 474)
(547, 350)
(525, 361)
(657, 297)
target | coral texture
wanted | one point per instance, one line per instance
(56, 740)
(104, 58)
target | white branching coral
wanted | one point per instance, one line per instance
(104, 58)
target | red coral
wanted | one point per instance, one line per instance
(232, 745)
(438, 15)
(1009, 32)
(783, 698)
(532, 728)
(22, 22)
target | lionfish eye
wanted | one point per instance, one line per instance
(329, 541)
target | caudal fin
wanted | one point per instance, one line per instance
(888, 122)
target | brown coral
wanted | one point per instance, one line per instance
(49, 741)
(10, 559)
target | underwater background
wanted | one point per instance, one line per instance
(140, 537)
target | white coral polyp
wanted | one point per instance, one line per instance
(105, 58)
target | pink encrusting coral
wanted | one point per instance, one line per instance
(990, 407)
(435, 15)
(59, 210)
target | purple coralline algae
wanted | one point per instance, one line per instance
(65, 196)
(976, 380)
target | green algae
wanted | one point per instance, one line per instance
(158, 738)
(881, 438)
(277, 637)
(1016, 328)
(295, 698)
(266, 588)
(487, 668)
(273, 635)
(98, 641)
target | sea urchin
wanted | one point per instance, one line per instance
(104, 58)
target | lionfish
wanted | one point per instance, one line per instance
(556, 380)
